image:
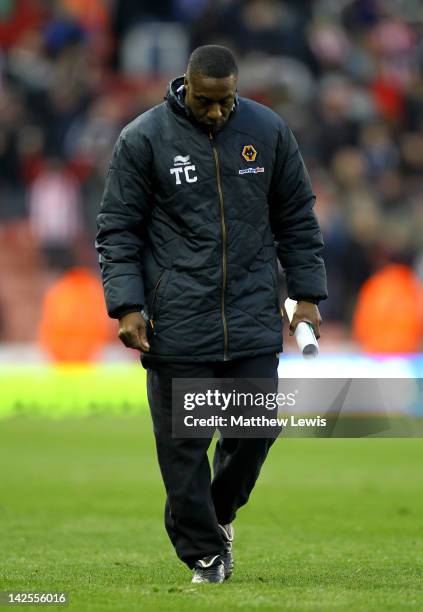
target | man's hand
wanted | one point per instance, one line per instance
(133, 331)
(308, 312)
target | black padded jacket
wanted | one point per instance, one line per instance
(191, 226)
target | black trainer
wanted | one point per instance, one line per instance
(228, 558)
(209, 569)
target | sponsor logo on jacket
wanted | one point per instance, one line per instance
(250, 170)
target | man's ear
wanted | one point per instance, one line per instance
(186, 82)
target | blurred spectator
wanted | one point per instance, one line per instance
(54, 209)
(12, 113)
(19, 16)
(91, 14)
(379, 149)
(154, 48)
(68, 331)
(389, 313)
(267, 26)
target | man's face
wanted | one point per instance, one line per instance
(210, 100)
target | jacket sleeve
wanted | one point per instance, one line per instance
(122, 224)
(294, 224)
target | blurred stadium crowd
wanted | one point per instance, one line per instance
(346, 75)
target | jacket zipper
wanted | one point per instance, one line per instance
(224, 255)
(153, 303)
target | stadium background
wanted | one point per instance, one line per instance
(347, 76)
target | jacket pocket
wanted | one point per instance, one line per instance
(274, 274)
(158, 295)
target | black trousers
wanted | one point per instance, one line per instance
(196, 503)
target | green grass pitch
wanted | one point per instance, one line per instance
(331, 525)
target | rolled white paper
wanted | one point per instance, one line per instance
(304, 334)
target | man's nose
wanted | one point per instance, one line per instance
(214, 112)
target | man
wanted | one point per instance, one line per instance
(203, 193)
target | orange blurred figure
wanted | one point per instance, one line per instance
(89, 13)
(389, 313)
(74, 325)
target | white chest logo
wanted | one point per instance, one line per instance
(182, 167)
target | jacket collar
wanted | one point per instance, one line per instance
(174, 98)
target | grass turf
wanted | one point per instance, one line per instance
(331, 525)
